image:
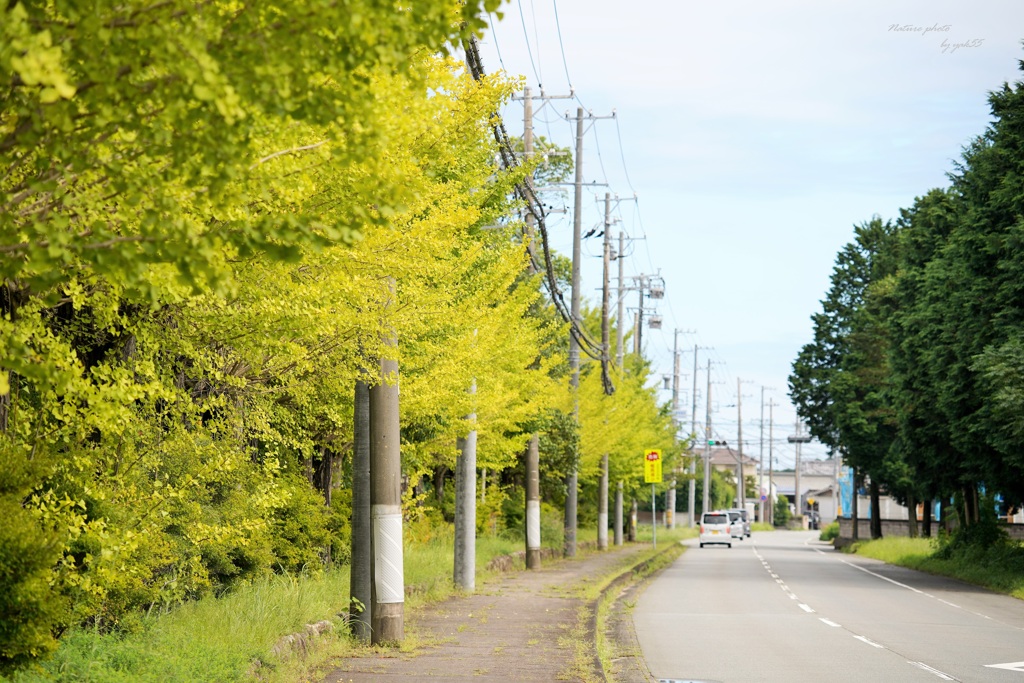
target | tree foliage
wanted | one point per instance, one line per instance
(914, 372)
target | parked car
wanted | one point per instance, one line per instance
(715, 528)
(744, 523)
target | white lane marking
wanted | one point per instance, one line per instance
(919, 592)
(886, 578)
(922, 665)
(806, 608)
(869, 642)
(830, 623)
(1009, 666)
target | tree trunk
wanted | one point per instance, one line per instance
(440, 474)
(926, 521)
(5, 404)
(324, 474)
(911, 515)
(876, 517)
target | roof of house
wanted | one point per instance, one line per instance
(727, 457)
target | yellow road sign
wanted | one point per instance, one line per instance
(652, 466)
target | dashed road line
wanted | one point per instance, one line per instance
(870, 642)
(864, 639)
(932, 670)
(915, 590)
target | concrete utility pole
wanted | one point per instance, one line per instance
(388, 589)
(464, 573)
(692, 507)
(361, 560)
(707, 447)
(533, 503)
(533, 450)
(602, 504)
(799, 498)
(638, 333)
(602, 508)
(799, 439)
(571, 484)
(741, 487)
(670, 503)
(618, 513)
(760, 465)
(532, 455)
(771, 462)
(528, 153)
(620, 354)
(620, 294)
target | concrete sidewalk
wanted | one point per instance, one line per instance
(524, 626)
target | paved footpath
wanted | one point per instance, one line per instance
(519, 627)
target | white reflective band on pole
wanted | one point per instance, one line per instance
(533, 524)
(387, 543)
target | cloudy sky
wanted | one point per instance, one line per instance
(754, 135)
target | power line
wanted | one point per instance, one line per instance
(524, 190)
(497, 48)
(622, 156)
(526, 35)
(561, 46)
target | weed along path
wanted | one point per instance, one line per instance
(523, 626)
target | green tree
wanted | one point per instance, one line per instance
(840, 380)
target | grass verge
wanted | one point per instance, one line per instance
(999, 568)
(223, 638)
(639, 568)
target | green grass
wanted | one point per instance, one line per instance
(214, 639)
(999, 567)
(218, 639)
(659, 558)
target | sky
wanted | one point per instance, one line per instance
(748, 140)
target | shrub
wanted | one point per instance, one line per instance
(782, 513)
(31, 609)
(300, 528)
(830, 532)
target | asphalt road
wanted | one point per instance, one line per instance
(782, 606)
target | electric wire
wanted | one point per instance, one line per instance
(622, 156)
(561, 45)
(529, 51)
(497, 48)
(600, 159)
(525, 192)
(536, 39)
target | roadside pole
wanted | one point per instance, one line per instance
(387, 611)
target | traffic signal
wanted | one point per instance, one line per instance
(717, 442)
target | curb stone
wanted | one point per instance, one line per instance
(628, 664)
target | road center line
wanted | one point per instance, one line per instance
(830, 623)
(806, 608)
(922, 665)
(870, 642)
